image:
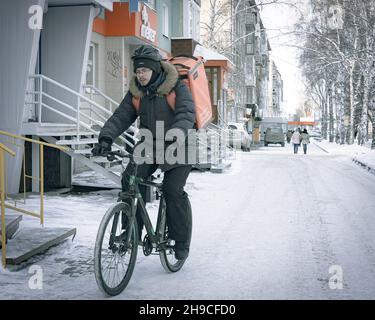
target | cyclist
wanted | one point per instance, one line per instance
(154, 79)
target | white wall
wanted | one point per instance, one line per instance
(114, 64)
(99, 40)
(65, 44)
(17, 61)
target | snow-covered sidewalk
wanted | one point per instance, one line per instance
(361, 155)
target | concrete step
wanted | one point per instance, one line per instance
(88, 151)
(87, 161)
(202, 166)
(52, 129)
(12, 222)
(220, 168)
(75, 142)
(83, 151)
(31, 241)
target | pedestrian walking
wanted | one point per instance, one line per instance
(296, 140)
(289, 135)
(305, 139)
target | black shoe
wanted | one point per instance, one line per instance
(181, 250)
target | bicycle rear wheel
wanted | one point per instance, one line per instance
(167, 257)
(114, 259)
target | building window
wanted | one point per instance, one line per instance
(249, 95)
(165, 20)
(92, 66)
(264, 60)
(249, 34)
(151, 4)
(251, 16)
(255, 17)
(248, 19)
(102, 13)
(194, 21)
(212, 77)
(249, 48)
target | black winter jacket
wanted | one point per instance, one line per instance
(154, 107)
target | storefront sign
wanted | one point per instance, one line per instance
(146, 31)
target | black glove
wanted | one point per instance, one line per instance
(102, 148)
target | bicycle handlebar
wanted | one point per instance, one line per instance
(111, 155)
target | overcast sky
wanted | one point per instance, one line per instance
(282, 17)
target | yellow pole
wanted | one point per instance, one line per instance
(29, 140)
(2, 200)
(41, 170)
(24, 176)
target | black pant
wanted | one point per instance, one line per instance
(179, 216)
(304, 148)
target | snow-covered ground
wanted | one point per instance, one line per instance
(274, 226)
(361, 154)
(343, 149)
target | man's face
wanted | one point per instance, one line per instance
(143, 75)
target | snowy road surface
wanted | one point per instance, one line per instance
(269, 228)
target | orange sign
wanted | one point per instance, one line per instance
(120, 22)
(302, 123)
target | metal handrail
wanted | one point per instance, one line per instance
(221, 149)
(4, 205)
(15, 136)
(3, 149)
(79, 113)
(86, 126)
(102, 94)
(41, 173)
(40, 76)
(6, 149)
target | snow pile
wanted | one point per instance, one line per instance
(342, 149)
(368, 159)
(362, 155)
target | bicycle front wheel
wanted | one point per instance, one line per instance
(114, 256)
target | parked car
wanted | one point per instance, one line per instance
(315, 134)
(274, 135)
(238, 136)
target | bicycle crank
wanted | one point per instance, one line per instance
(147, 245)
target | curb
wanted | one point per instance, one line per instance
(364, 165)
(356, 161)
(321, 148)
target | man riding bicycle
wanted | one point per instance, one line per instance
(154, 79)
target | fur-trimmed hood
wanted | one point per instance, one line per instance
(165, 88)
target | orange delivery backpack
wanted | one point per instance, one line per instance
(191, 72)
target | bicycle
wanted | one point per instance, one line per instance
(117, 237)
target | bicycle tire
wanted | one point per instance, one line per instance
(105, 287)
(167, 258)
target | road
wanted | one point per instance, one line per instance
(275, 226)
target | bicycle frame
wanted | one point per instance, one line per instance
(136, 199)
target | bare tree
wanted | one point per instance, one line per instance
(340, 48)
